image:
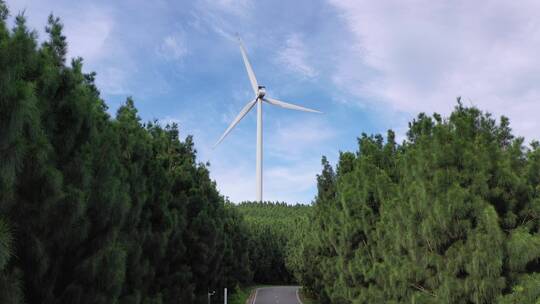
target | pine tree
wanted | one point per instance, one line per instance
(102, 210)
(11, 289)
(449, 216)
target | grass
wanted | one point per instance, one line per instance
(306, 299)
(241, 295)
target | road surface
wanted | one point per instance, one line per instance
(277, 295)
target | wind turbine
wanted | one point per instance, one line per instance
(260, 92)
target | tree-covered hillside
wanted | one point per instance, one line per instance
(452, 215)
(271, 226)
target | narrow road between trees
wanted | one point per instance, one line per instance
(277, 295)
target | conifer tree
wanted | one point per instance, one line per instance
(11, 289)
(101, 210)
(449, 216)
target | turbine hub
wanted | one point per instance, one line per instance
(261, 92)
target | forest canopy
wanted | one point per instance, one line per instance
(101, 207)
(97, 208)
(451, 215)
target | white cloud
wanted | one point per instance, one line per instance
(240, 98)
(294, 57)
(112, 80)
(420, 56)
(236, 7)
(291, 140)
(291, 183)
(173, 47)
(87, 27)
(169, 120)
(87, 34)
(221, 16)
(92, 32)
(237, 182)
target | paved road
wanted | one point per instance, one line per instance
(277, 295)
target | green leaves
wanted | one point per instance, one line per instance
(270, 231)
(100, 210)
(449, 216)
(10, 284)
(4, 12)
(6, 242)
(57, 44)
(522, 248)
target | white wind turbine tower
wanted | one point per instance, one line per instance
(260, 93)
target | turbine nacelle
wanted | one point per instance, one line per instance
(261, 91)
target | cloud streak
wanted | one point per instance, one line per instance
(292, 139)
(420, 56)
(173, 47)
(294, 57)
(376, 63)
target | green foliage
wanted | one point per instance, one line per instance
(449, 216)
(6, 243)
(525, 290)
(10, 291)
(4, 12)
(100, 209)
(240, 295)
(269, 229)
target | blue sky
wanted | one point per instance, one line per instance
(368, 65)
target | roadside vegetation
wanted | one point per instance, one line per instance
(306, 298)
(97, 208)
(450, 215)
(270, 228)
(102, 208)
(240, 295)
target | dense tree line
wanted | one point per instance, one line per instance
(100, 209)
(270, 227)
(451, 215)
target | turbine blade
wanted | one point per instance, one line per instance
(239, 117)
(287, 105)
(249, 69)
